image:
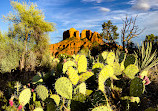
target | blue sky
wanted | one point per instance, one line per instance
(90, 14)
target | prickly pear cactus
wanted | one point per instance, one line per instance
(81, 88)
(130, 59)
(101, 108)
(117, 68)
(38, 109)
(104, 54)
(25, 96)
(42, 92)
(73, 75)
(56, 98)
(63, 86)
(98, 65)
(68, 64)
(82, 64)
(136, 87)
(84, 76)
(131, 71)
(110, 58)
(104, 74)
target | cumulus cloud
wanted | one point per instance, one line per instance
(104, 9)
(144, 4)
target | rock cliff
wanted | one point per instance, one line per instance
(72, 42)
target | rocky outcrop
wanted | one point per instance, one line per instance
(72, 43)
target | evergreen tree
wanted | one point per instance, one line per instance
(109, 31)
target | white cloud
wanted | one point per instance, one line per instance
(97, 1)
(144, 4)
(104, 9)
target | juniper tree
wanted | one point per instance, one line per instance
(109, 31)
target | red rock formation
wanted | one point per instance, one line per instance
(72, 43)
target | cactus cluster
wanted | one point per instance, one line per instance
(110, 78)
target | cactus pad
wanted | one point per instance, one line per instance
(42, 92)
(131, 71)
(56, 98)
(82, 64)
(63, 86)
(98, 65)
(104, 54)
(73, 76)
(130, 59)
(68, 64)
(81, 88)
(84, 76)
(136, 87)
(117, 68)
(25, 96)
(104, 74)
(110, 58)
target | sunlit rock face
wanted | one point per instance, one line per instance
(72, 42)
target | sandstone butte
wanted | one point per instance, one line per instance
(73, 42)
